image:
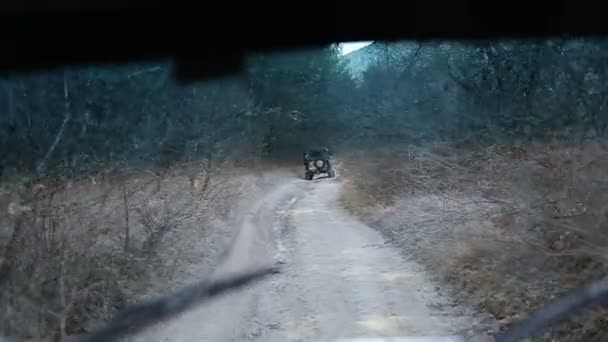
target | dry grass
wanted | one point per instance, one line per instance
(74, 251)
(512, 227)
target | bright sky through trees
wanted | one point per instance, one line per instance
(352, 46)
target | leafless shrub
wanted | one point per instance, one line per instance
(544, 234)
(157, 221)
(75, 250)
(52, 277)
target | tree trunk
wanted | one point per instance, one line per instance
(125, 200)
(41, 168)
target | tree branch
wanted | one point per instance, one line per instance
(67, 116)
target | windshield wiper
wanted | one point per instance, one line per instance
(595, 293)
(143, 315)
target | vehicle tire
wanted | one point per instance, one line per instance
(308, 176)
(332, 174)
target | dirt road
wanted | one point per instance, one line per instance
(338, 279)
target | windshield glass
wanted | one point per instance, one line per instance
(465, 189)
(316, 154)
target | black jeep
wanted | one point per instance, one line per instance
(317, 161)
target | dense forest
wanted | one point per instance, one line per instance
(81, 119)
(473, 92)
(67, 124)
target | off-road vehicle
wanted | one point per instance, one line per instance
(317, 161)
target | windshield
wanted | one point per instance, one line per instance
(466, 188)
(316, 154)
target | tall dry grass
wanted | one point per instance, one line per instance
(74, 251)
(510, 226)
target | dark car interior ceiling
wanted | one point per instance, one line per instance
(210, 39)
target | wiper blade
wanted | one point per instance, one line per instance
(142, 315)
(595, 293)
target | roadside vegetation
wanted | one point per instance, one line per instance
(502, 191)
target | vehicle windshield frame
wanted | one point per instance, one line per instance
(316, 154)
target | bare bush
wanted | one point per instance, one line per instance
(157, 221)
(53, 275)
(76, 250)
(512, 226)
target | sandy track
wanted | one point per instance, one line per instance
(338, 279)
